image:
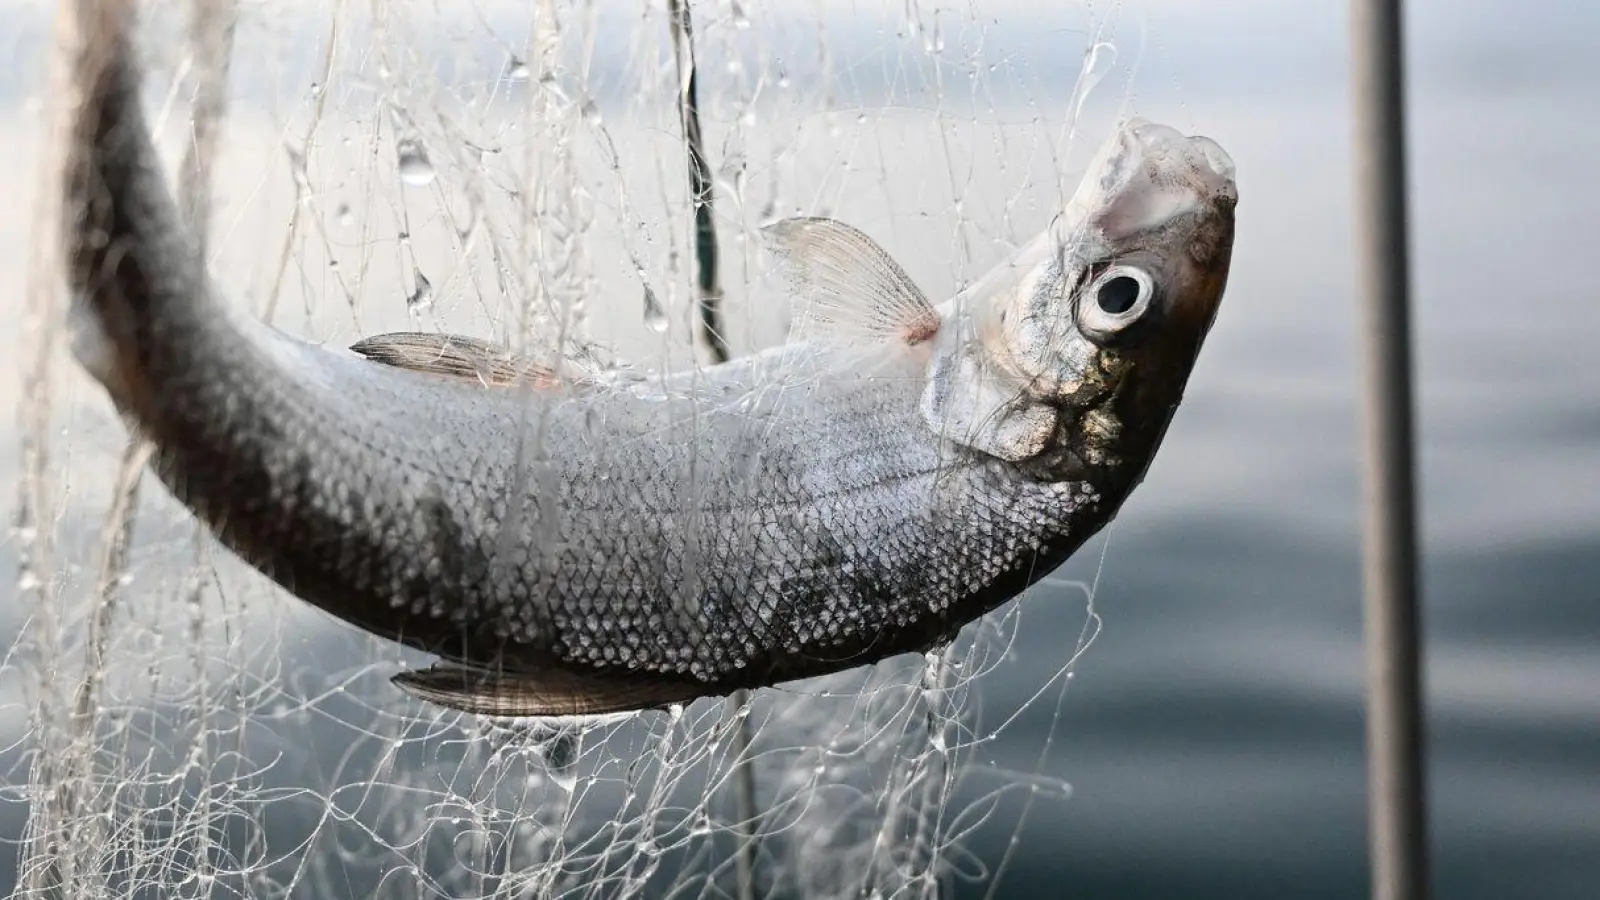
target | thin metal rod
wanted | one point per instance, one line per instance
(708, 300)
(1397, 806)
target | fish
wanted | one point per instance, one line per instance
(569, 537)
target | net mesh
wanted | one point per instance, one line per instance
(177, 727)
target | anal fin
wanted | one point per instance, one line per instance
(554, 692)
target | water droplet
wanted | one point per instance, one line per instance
(591, 113)
(316, 89)
(741, 21)
(861, 118)
(422, 297)
(675, 711)
(28, 580)
(731, 173)
(517, 70)
(343, 216)
(416, 170)
(655, 315)
(565, 779)
(561, 759)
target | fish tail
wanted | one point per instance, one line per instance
(135, 275)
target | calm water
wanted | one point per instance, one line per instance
(1213, 734)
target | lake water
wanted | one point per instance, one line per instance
(1213, 732)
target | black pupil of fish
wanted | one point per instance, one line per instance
(1118, 295)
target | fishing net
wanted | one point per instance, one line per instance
(175, 726)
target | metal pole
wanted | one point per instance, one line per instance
(1397, 812)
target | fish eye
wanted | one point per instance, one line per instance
(1118, 298)
(1117, 295)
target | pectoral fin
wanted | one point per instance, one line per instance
(849, 288)
(550, 693)
(466, 358)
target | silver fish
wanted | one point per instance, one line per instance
(572, 542)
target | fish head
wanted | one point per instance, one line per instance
(1104, 321)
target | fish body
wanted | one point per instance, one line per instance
(569, 542)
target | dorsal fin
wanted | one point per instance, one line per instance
(465, 358)
(555, 692)
(850, 289)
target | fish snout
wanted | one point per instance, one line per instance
(1147, 175)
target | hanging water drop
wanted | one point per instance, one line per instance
(560, 752)
(741, 21)
(422, 297)
(655, 315)
(591, 113)
(416, 170)
(517, 70)
(342, 215)
(730, 175)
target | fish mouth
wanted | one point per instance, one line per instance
(1199, 153)
(1146, 175)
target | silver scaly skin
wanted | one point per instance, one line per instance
(571, 544)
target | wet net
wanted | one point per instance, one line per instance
(175, 726)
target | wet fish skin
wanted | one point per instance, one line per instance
(586, 547)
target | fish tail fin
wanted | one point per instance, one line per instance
(133, 270)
